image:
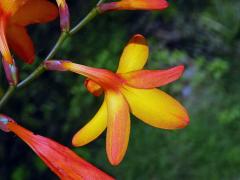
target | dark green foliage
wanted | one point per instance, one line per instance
(203, 35)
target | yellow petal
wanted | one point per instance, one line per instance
(93, 129)
(118, 127)
(134, 55)
(156, 108)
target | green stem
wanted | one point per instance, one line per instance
(92, 14)
(61, 39)
(7, 95)
(36, 73)
(40, 69)
(100, 1)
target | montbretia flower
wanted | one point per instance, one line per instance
(14, 16)
(130, 89)
(60, 159)
(133, 5)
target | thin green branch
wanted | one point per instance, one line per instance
(92, 14)
(61, 39)
(100, 1)
(40, 69)
(36, 73)
(7, 95)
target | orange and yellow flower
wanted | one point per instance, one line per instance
(60, 159)
(130, 89)
(14, 16)
(133, 5)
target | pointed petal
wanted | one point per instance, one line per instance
(156, 108)
(134, 55)
(3, 42)
(146, 79)
(21, 43)
(60, 159)
(93, 129)
(37, 11)
(134, 5)
(118, 127)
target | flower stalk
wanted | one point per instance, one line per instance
(40, 69)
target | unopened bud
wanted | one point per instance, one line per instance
(54, 65)
(64, 15)
(4, 120)
(11, 72)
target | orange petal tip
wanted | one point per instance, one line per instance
(134, 5)
(185, 122)
(76, 141)
(138, 39)
(93, 87)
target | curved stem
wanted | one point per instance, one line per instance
(37, 72)
(92, 14)
(60, 41)
(100, 1)
(40, 69)
(7, 95)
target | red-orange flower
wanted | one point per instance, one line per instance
(130, 89)
(14, 16)
(134, 5)
(60, 159)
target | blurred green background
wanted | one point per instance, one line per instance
(202, 35)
